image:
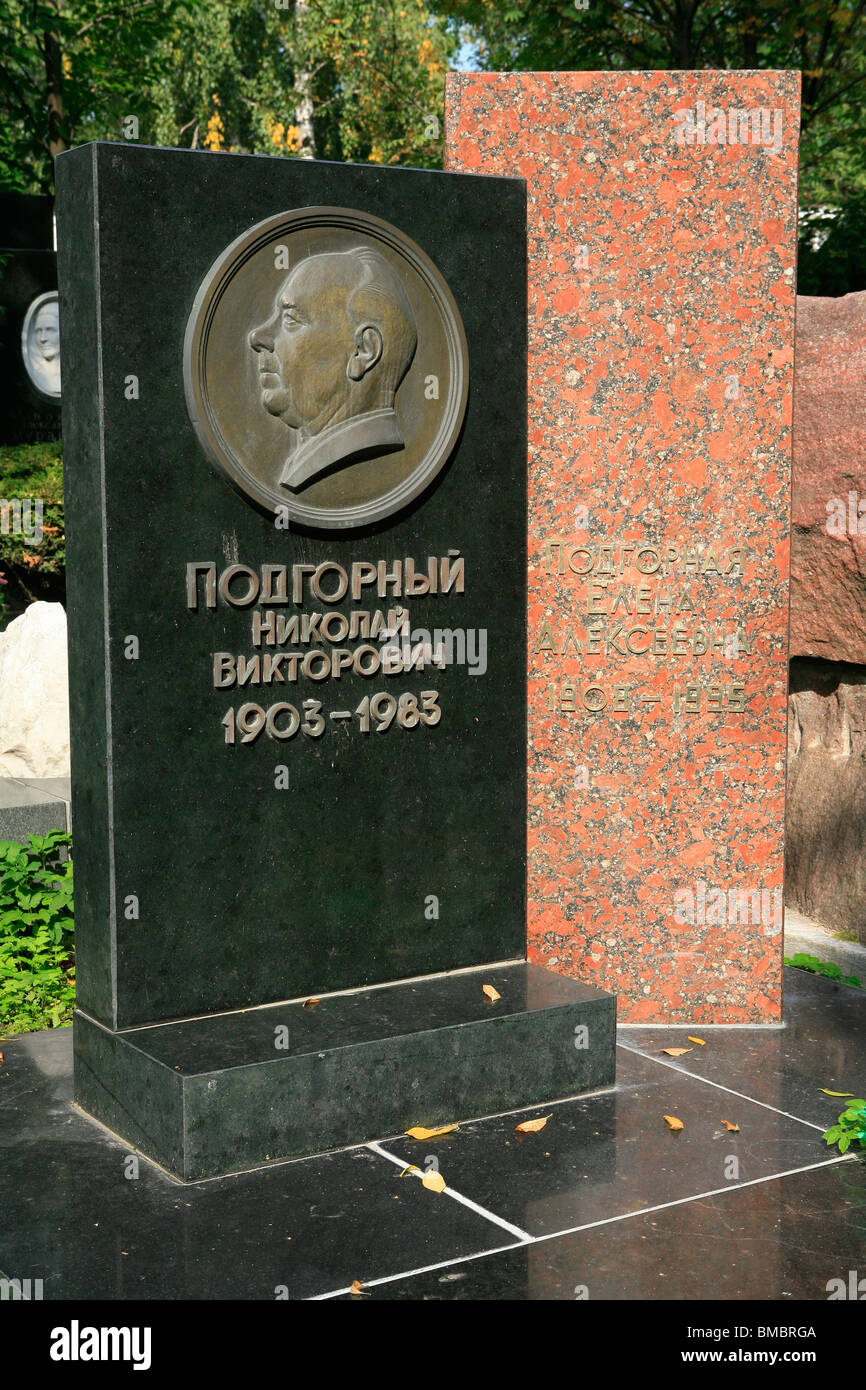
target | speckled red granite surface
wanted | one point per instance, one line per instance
(661, 290)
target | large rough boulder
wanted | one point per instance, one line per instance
(828, 540)
(825, 850)
(34, 699)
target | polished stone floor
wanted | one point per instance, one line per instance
(604, 1202)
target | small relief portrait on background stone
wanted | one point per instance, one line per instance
(40, 344)
(331, 358)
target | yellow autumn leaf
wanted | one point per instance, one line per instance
(419, 1132)
(844, 1095)
(433, 1181)
(673, 1123)
(310, 1003)
(532, 1126)
(491, 993)
(413, 1168)
(358, 1287)
(735, 1129)
(700, 1041)
(677, 1051)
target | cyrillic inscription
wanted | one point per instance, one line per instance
(640, 600)
(385, 641)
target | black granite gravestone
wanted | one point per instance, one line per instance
(295, 442)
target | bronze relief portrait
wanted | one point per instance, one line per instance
(325, 367)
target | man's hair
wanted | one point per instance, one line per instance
(378, 297)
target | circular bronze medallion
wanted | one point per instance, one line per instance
(325, 366)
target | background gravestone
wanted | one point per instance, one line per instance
(264, 811)
(828, 505)
(662, 212)
(28, 269)
(826, 812)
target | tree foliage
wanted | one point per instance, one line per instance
(832, 255)
(373, 71)
(341, 79)
(71, 70)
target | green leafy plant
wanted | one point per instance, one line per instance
(850, 1127)
(37, 983)
(822, 967)
(31, 474)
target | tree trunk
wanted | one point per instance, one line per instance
(54, 88)
(750, 43)
(304, 102)
(684, 18)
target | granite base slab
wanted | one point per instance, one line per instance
(210, 1096)
(33, 806)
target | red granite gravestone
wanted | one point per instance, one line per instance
(662, 215)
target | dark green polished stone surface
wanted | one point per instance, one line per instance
(215, 1095)
(613, 1200)
(247, 894)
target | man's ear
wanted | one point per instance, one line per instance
(368, 350)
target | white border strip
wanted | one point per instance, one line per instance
(423, 1269)
(523, 1236)
(588, 1226)
(696, 1076)
(106, 620)
(695, 1027)
(330, 994)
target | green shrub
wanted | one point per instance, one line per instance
(822, 967)
(37, 983)
(850, 1128)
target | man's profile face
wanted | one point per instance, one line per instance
(46, 332)
(304, 348)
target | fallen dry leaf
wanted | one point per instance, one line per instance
(532, 1126)
(735, 1129)
(413, 1168)
(845, 1095)
(310, 1003)
(677, 1051)
(358, 1287)
(433, 1181)
(673, 1123)
(700, 1041)
(491, 993)
(419, 1132)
